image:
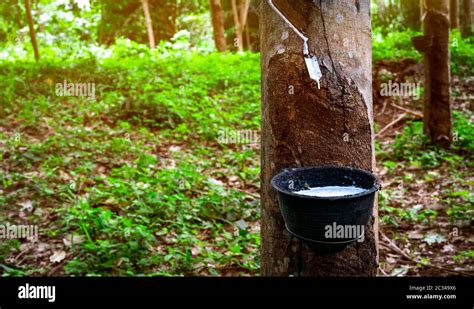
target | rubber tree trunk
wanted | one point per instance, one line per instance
(422, 11)
(466, 18)
(149, 24)
(240, 12)
(217, 16)
(31, 26)
(303, 125)
(437, 105)
(454, 14)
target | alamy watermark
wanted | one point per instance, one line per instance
(11, 231)
(247, 137)
(394, 89)
(336, 231)
(28, 291)
(66, 89)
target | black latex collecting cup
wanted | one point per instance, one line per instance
(308, 217)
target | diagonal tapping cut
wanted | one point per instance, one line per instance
(311, 60)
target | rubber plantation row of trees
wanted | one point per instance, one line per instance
(339, 35)
(235, 22)
(410, 14)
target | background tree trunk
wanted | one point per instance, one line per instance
(217, 15)
(240, 13)
(238, 27)
(303, 125)
(422, 11)
(149, 24)
(466, 18)
(244, 10)
(247, 37)
(454, 14)
(31, 26)
(437, 106)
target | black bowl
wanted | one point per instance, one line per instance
(308, 217)
(422, 43)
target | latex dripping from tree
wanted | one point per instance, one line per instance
(310, 59)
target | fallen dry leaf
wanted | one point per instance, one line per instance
(70, 240)
(27, 205)
(57, 256)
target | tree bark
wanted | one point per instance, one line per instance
(32, 29)
(244, 10)
(466, 18)
(437, 105)
(240, 13)
(149, 24)
(454, 14)
(217, 16)
(247, 37)
(304, 126)
(422, 11)
(238, 27)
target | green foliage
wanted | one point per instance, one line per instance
(136, 173)
(394, 45)
(412, 144)
(462, 51)
(72, 30)
(463, 131)
(464, 254)
(397, 45)
(385, 16)
(108, 173)
(410, 150)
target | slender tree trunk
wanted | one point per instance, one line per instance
(454, 14)
(238, 26)
(466, 18)
(437, 106)
(303, 125)
(217, 15)
(149, 24)
(422, 11)
(31, 26)
(240, 13)
(244, 10)
(247, 37)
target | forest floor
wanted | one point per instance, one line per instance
(133, 181)
(426, 204)
(136, 182)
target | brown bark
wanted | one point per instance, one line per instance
(149, 24)
(303, 125)
(454, 14)
(240, 12)
(31, 26)
(244, 10)
(437, 105)
(466, 18)
(422, 11)
(247, 37)
(217, 16)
